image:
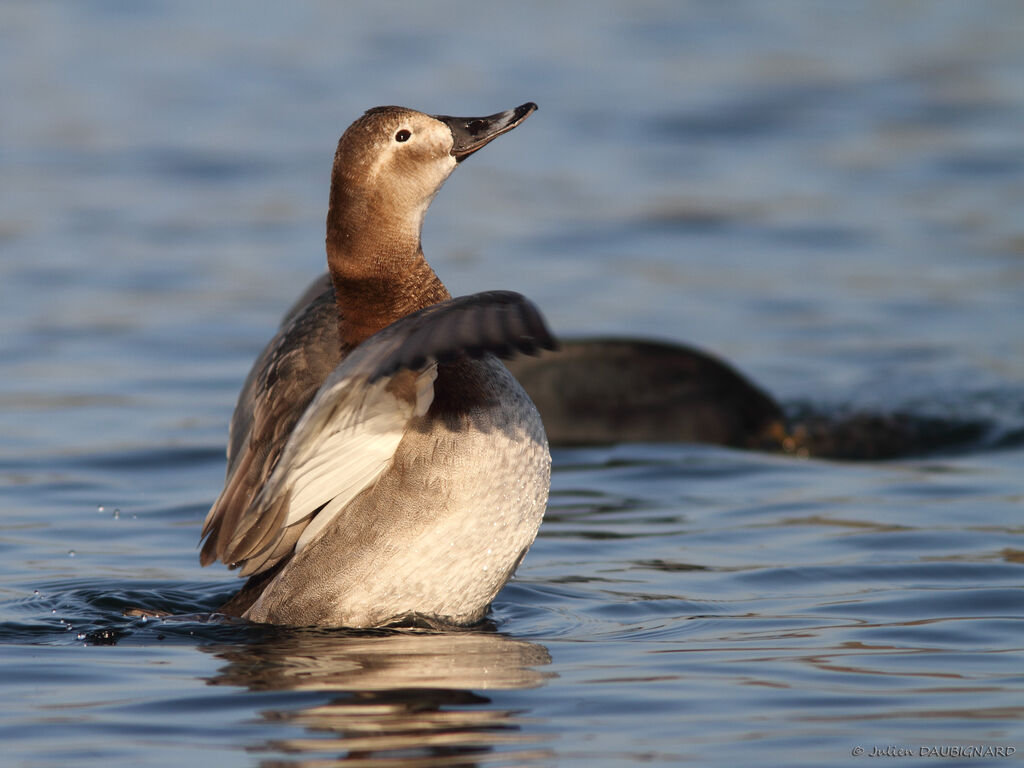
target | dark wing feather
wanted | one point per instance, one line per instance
(499, 322)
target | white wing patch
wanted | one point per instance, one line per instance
(343, 443)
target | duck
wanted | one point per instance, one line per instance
(606, 390)
(383, 465)
(597, 391)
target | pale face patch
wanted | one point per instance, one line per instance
(412, 159)
(421, 139)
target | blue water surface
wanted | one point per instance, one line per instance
(827, 195)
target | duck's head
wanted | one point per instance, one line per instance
(392, 161)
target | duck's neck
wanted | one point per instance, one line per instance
(378, 269)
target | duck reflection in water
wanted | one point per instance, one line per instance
(411, 692)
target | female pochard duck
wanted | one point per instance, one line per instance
(383, 464)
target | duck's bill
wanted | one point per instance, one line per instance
(472, 133)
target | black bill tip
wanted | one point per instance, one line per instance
(472, 133)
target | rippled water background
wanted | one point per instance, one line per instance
(828, 195)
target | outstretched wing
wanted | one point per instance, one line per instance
(349, 432)
(276, 393)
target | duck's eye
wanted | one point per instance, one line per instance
(402, 135)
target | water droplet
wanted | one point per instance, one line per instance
(80, 636)
(101, 508)
(35, 592)
(117, 513)
(485, 567)
(53, 610)
(71, 553)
